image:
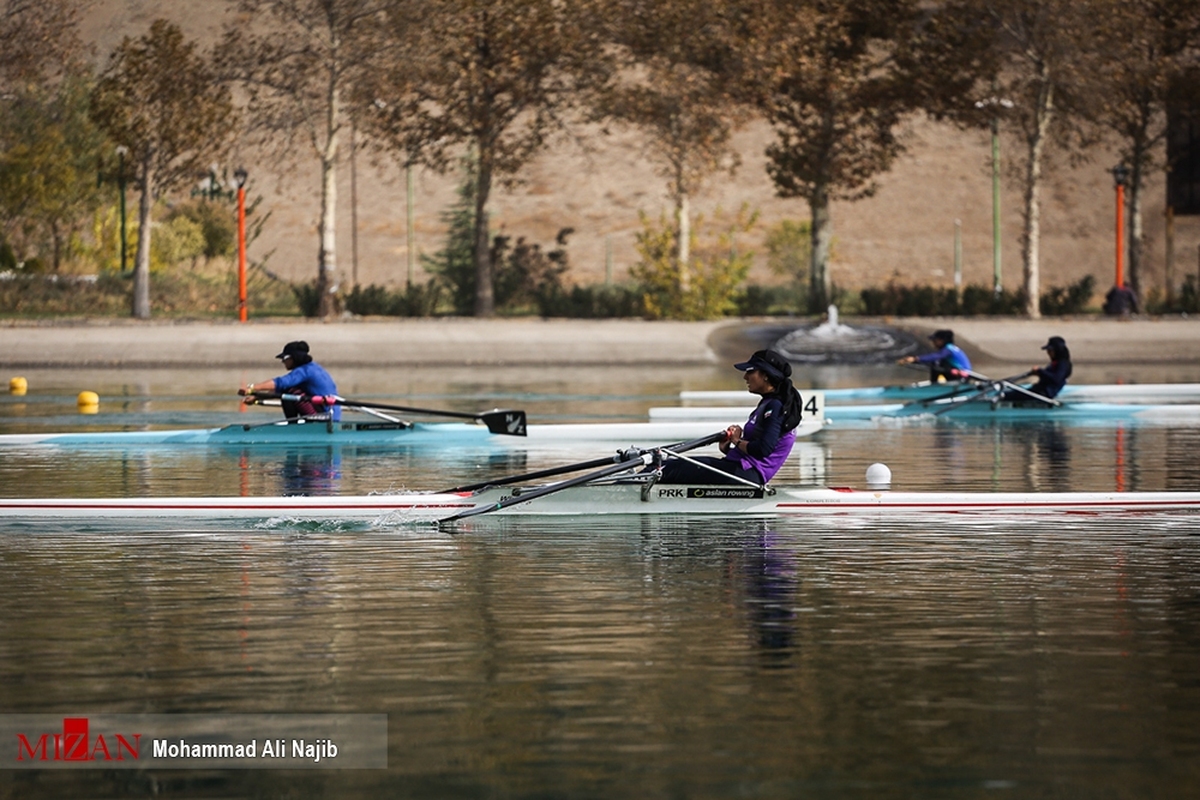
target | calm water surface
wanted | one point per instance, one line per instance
(831, 657)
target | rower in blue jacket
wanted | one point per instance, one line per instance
(947, 363)
(305, 378)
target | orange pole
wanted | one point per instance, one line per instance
(241, 253)
(1120, 234)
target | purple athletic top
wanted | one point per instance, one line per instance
(768, 446)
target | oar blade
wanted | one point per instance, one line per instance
(506, 422)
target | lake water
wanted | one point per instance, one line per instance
(832, 657)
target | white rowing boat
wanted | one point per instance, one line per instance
(593, 499)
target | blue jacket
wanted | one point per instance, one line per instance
(951, 354)
(310, 379)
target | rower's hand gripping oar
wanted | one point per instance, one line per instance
(508, 422)
(629, 459)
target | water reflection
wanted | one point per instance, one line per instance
(770, 573)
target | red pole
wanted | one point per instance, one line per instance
(1120, 234)
(241, 253)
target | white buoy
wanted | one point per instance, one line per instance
(879, 476)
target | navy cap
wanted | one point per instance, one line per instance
(774, 365)
(294, 349)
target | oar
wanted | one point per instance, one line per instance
(510, 422)
(620, 455)
(633, 458)
(503, 421)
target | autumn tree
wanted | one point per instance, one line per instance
(297, 61)
(826, 77)
(1043, 52)
(1148, 48)
(49, 148)
(161, 99)
(669, 90)
(38, 38)
(491, 77)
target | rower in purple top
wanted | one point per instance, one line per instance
(756, 451)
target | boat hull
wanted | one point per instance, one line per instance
(1107, 393)
(1078, 413)
(591, 500)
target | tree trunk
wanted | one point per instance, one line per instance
(1137, 233)
(327, 279)
(485, 298)
(1031, 241)
(141, 261)
(820, 285)
(683, 213)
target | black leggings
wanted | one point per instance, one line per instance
(679, 471)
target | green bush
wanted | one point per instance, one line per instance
(1071, 299)
(599, 301)
(415, 300)
(715, 270)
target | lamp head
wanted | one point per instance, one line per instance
(239, 176)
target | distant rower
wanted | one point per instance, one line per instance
(947, 363)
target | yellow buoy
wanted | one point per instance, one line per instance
(88, 402)
(18, 386)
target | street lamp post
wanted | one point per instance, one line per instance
(121, 151)
(995, 104)
(239, 177)
(1121, 178)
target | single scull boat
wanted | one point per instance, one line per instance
(618, 498)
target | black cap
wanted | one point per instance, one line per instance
(944, 335)
(774, 365)
(294, 349)
(1055, 343)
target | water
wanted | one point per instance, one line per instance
(836, 657)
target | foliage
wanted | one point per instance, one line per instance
(48, 154)
(176, 239)
(209, 292)
(1071, 299)
(717, 269)
(162, 101)
(598, 301)
(38, 39)
(977, 300)
(826, 77)
(526, 277)
(414, 300)
(762, 301)
(454, 264)
(295, 70)
(217, 223)
(495, 78)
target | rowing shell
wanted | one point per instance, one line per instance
(1077, 413)
(1100, 393)
(627, 498)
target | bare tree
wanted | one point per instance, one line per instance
(297, 60)
(161, 99)
(493, 77)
